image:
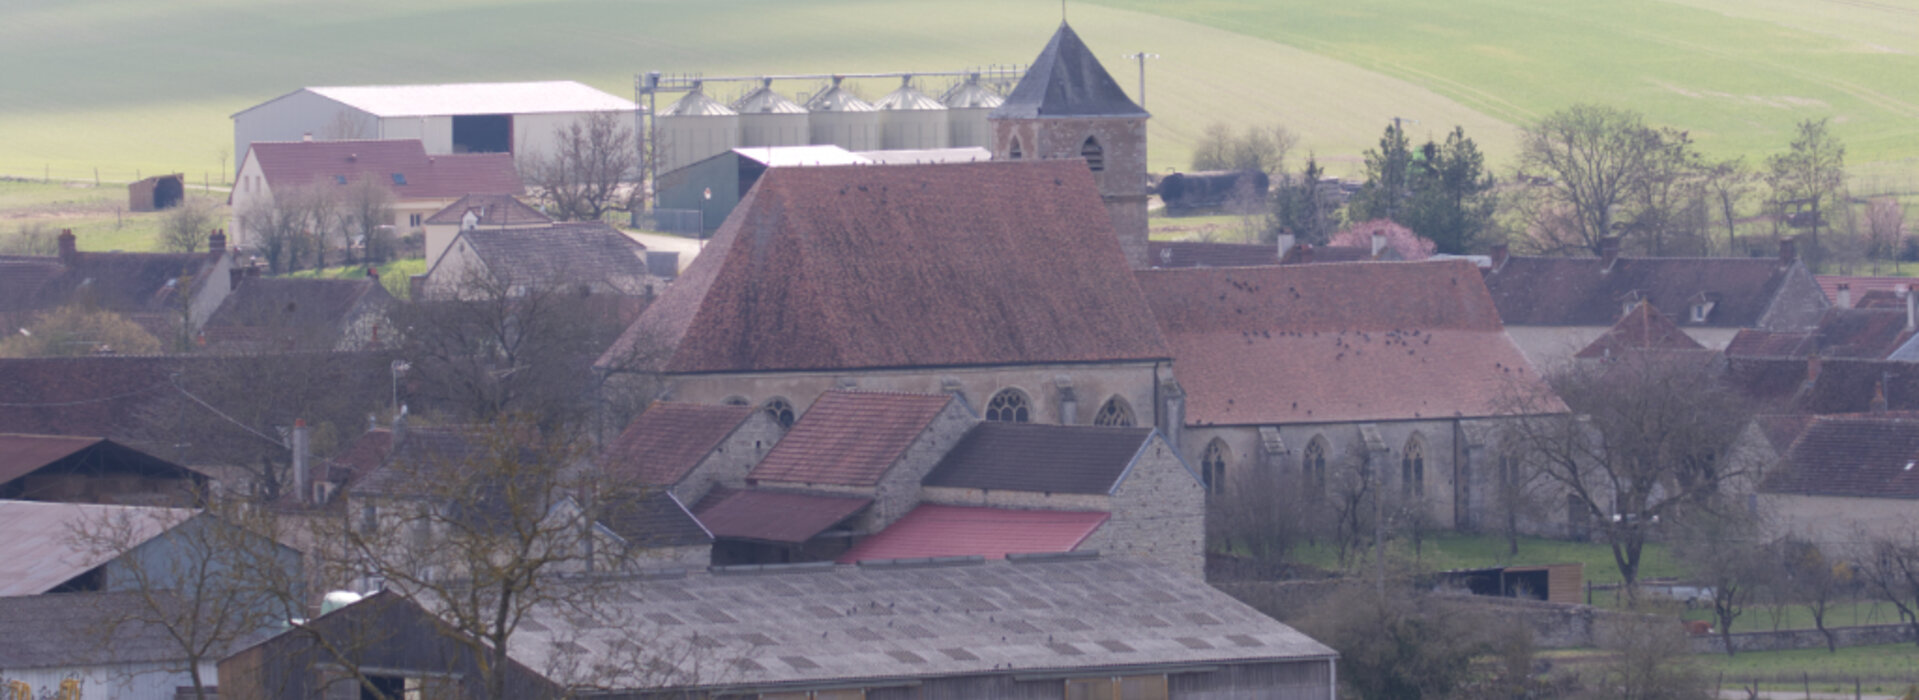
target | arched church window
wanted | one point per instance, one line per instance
(1115, 413)
(1312, 465)
(1009, 406)
(781, 410)
(1212, 466)
(1094, 155)
(1013, 152)
(1412, 467)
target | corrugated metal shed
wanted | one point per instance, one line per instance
(40, 550)
(475, 98)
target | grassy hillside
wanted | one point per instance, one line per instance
(130, 87)
(1736, 73)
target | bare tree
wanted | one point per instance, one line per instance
(1808, 180)
(209, 589)
(1817, 582)
(1886, 220)
(589, 171)
(365, 212)
(1725, 557)
(1593, 160)
(1396, 643)
(1262, 514)
(1519, 494)
(1650, 436)
(186, 226)
(79, 329)
(1890, 570)
(1257, 149)
(1728, 183)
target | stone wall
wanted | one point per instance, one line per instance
(1862, 635)
(1121, 179)
(728, 463)
(899, 489)
(1158, 513)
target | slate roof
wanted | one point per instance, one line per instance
(1542, 291)
(444, 176)
(654, 518)
(561, 253)
(777, 516)
(24, 454)
(1780, 430)
(1865, 456)
(475, 98)
(493, 210)
(41, 549)
(121, 282)
(932, 530)
(1643, 329)
(666, 442)
(1204, 254)
(961, 264)
(849, 438)
(816, 624)
(1335, 343)
(83, 629)
(286, 313)
(1862, 333)
(1065, 80)
(1041, 458)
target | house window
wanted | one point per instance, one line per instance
(1013, 151)
(1094, 155)
(399, 178)
(1115, 413)
(1700, 311)
(1212, 466)
(413, 220)
(1412, 467)
(781, 410)
(1009, 406)
(1312, 464)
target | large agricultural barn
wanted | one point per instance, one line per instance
(517, 118)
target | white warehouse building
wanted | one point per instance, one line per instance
(517, 118)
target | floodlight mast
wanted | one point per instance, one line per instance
(1141, 58)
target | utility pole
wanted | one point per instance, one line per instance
(1141, 58)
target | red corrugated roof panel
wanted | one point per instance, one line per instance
(957, 531)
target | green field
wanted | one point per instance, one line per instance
(1443, 551)
(393, 274)
(88, 210)
(126, 87)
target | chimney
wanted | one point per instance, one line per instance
(1286, 242)
(1608, 252)
(1788, 252)
(1879, 397)
(302, 453)
(306, 137)
(1499, 253)
(1845, 297)
(217, 243)
(1379, 243)
(69, 250)
(1912, 311)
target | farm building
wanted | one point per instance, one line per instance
(517, 118)
(714, 186)
(156, 193)
(69, 469)
(422, 184)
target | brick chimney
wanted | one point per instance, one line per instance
(69, 249)
(1788, 252)
(1608, 252)
(1499, 253)
(1845, 295)
(1879, 397)
(217, 243)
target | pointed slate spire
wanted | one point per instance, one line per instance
(1067, 81)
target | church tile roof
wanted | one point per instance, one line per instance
(849, 438)
(666, 442)
(1335, 343)
(1067, 81)
(1041, 458)
(859, 267)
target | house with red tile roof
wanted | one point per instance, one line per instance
(1642, 330)
(285, 314)
(1854, 333)
(421, 184)
(1301, 369)
(688, 449)
(1553, 307)
(1848, 478)
(999, 281)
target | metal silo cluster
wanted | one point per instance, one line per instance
(840, 118)
(909, 119)
(695, 127)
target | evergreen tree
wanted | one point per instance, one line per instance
(1440, 191)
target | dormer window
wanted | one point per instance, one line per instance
(1094, 155)
(1702, 305)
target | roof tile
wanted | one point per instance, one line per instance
(849, 438)
(666, 442)
(445, 176)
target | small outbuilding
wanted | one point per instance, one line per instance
(157, 192)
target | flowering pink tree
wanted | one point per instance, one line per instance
(1409, 245)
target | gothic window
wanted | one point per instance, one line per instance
(781, 410)
(1009, 406)
(1313, 464)
(1094, 155)
(1412, 467)
(1013, 152)
(1115, 413)
(1212, 466)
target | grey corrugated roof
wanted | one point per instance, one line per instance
(40, 549)
(1067, 81)
(475, 98)
(82, 629)
(820, 625)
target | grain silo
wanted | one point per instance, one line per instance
(967, 106)
(839, 118)
(693, 128)
(910, 119)
(767, 118)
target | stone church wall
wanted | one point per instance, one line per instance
(1158, 514)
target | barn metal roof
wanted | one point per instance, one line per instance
(42, 548)
(911, 156)
(971, 95)
(85, 629)
(475, 98)
(788, 156)
(933, 530)
(838, 99)
(765, 101)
